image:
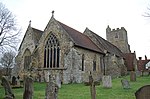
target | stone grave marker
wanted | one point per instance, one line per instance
(92, 85)
(107, 82)
(15, 82)
(132, 76)
(143, 92)
(18, 83)
(58, 81)
(51, 89)
(8, 91)
(28, 88)
(125, 84)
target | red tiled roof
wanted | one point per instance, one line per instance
(80, 39)
(142, 63)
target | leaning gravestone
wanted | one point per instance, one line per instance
(125, 84)
(143, 92)
(28, 88)
(8, 91)
(51, 89)
(107, 82)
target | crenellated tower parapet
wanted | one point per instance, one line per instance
(119, 38)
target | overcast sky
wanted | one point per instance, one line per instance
(94, 14)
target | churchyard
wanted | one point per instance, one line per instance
(80, 91)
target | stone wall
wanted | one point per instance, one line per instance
(27, 43)
(73, 63)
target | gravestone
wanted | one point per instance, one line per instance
(28, 88)
(58, 81)
(92, 85)
(143, 92)
(15, 82)
(18, 83)
(125, 84)
(107, 82)
(8, 91)
(51, 89)
(132, 76)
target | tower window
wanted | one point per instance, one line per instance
(51, 52)
(116, 36)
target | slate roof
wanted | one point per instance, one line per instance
(129, 61)
(80, 39)
(105, 45)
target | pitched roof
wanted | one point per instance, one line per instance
(129, 61)
(142, 63)
(37, 33)
(105, 45)
(80, 39)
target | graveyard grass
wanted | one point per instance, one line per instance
(79, 91)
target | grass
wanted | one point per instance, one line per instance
(79, 91)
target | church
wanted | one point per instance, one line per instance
(70, 55)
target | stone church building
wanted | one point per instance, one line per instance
(70, 55)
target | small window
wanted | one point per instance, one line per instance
(94, 65)
(101, 64)
(83, 62)
(116, 36)
(27, 61)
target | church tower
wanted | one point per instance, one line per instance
(119, 38)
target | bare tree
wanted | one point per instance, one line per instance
(8, 29)
(147, 13)
(7, 61)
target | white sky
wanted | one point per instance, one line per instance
(94, 14)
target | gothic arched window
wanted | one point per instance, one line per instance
(27, 59)
(51, 52)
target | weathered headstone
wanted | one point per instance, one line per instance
(107, 82)
(18, 83)
(8, 91)
(51, 89)
(125, 84)
(28, 88)
(143, 92)
(132, 76)
(58, 81)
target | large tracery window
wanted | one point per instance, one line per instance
(51, 52)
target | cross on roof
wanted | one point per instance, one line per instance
(53, 13)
